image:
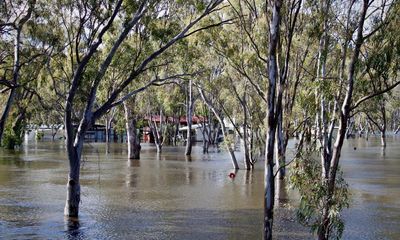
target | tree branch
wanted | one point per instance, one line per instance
(150, 83)
(365, 98)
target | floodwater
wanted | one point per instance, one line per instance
(168, 196)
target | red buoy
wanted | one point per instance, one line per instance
(232, 175)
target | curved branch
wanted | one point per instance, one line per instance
(365, 98)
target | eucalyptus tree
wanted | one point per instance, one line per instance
(277, 80)
(14, 16)
(209, 126)
(343, 34)
(247, 56)
(242, 69)
(174, 104)
(87, 25)
(381, 73)
(215, 101)
(273, 72)
(187, 63)
(157, 118)
(237, 48)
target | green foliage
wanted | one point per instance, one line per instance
(305, 176)
(13, 136)
(39, 135)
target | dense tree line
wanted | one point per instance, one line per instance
(317, 70)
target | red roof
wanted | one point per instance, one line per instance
(182, 119)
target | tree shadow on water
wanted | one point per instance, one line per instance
(73, 229)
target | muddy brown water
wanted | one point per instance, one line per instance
(170, 196)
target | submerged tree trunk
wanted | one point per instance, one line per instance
(189, 114)
(176, 130)
(273, 73)
(205, 133)
(324, 233)
(229, 147)
(157, 132)
(384, 124)
(108, 134)
(248, 164)
(133, 140)
(218, 115)
(109, 119)
(73, 185)
(75, 137)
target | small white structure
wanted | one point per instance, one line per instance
(197, 134)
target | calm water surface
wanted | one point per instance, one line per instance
(168, 196)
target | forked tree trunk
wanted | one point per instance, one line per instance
(157, 132)
(218, 115)
(244, 137)
(74, 139)
(324, 233)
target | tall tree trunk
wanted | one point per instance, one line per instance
(321, 99)
(247, 158)
(323, 233)
(271, 118)
(280, 148)
(133, 140)
(189, 118)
